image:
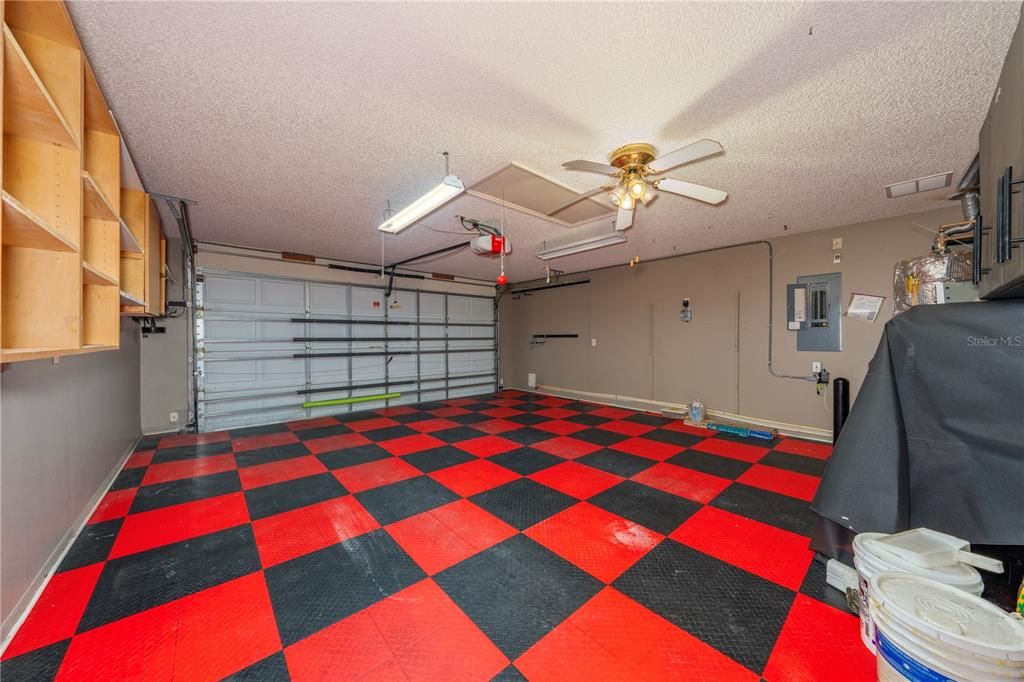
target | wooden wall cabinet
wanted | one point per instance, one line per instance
(64, 242)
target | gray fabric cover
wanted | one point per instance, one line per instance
(936, 435)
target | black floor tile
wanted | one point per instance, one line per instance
(128, 478)
(322, 432)
(471, 418)
(41, 664)
(648, 419)
(525, 461)
(673, 437)
(599, 437)
(438, 458)
(431, 405)
(390, 503)
(478, 406)
(390, 433)
(734, 611)
(531, 407)
(262, 430)
(458, 434)
(782, 511)
(191, 451)
(271, 669)
(148, 442)
(274, 453)
(523, 502)
(652, 508)
(814, 585)
(725, 467)
(93, 544)
(509, 674)
(185, 490)
(517, 591)
(797, 463)
(618, 463)
(141, 581)
(411, 417)
(347, 457)
(282, 497)
(313, 591)
(526, 435)
(527, 419)
(583, 407)
(587, 419)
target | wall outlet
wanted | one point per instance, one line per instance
(593, 343)
(815, 367)
(173, 417)
(836, 258)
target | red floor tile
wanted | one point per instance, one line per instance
(459, 402)
(430, 425)
(685, 427)
(300, 531)
(442, 537)
(314, 423)
(553, 401)
(340, 442)
(205, 636)
(500, 412)
(279, 472)
(693, 485)
(555, 413)
(487, 446)
(56, 613)
(353, 645)
(566, 447)
(651, 449)
(801, 654)
(496, 426)
(371, 424)
(560, 427)
(473, 477)
(423, 628)
(805, 447)
(140, 459)
(407, 445)
(114, 505)
(375, 474)
(772, 553)
(448, 412)
(181, 439)
(567, 653)
(601, 543)
(159, 527)
(268, 440)
(575, 479)
(626, 428)
(727, 448)
(800, 486)
(611, 412)
(188, 468)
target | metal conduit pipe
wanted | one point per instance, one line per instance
(771, 319)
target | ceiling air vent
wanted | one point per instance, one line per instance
(925, 184)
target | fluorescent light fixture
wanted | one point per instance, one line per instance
(926, 184)
(588, 244)
(450, 188)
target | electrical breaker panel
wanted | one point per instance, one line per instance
(814, 312)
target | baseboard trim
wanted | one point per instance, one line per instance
(644, 404)
(20, 612)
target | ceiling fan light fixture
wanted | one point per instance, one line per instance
(636, 186)
(449, 188)
(627, 203)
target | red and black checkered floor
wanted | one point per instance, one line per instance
(506, 536)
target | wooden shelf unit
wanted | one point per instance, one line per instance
(64, 243)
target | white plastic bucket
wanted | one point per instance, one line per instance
(870, 559)
(927, 631)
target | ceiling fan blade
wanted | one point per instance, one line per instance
(691, 152)
(578, 198)
(591, 167)
(623, 219)
(688, 189)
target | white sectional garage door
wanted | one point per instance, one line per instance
(266, 345)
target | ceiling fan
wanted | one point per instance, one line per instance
(635, 167)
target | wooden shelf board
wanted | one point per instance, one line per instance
(95, 347)
(21, 354)
(91, 275)
(22, 227)
(97, 113)
(128, 299)
(29, 109)
(95, 203)
(128, 241)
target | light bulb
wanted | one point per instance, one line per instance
(618, 196)
(614, 198)
(627, 203)
(637, 188)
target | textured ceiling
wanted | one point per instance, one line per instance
(291, 124)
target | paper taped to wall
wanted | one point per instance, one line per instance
(864, 307)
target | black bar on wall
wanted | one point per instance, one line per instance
(548, 286)
(556, 336)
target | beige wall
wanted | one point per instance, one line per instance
(644, 351)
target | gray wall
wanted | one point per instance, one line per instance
(644, 351)
(165, 360)
(63, 428)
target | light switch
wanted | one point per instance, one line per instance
(837, 243)
(593, 343)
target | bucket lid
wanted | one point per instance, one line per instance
(878, 558)
(949, 615)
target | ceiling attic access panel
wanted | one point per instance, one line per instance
(532, 192)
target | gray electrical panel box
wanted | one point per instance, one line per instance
(814, 312)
